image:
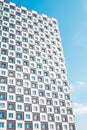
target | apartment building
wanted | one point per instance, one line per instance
(34, 89)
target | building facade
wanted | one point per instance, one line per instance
(34, 89)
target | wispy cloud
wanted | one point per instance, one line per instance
(78, 84)
(80, 109)
(81, 83)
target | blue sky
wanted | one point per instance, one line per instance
(72, 18)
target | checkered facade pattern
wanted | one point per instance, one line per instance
(34, 90)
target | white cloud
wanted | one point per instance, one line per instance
(78, 84)
(72, 86)
(80, 109)
(81, 83)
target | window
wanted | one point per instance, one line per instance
(47, 87)
(18, 82)
(11, 81)
(2, 105)
(19, 98)
(12, 26)
(2, 115)
(11, 36)
(11, 89)
(31, 47)
(51, 118)
(56, 110)
(18, 14)
(42, 109)
(27, 108)
(65, 83)
(5, 19)
(48, 102)
(11, 47)
(67, 97)
(2, 88)
(36, 117)
(2, 96)
(33, 71)
(18, 55)
(28, 125)
(72, 127)
(60, 89)
(3, 80)
(38, 66)
(3, 72)
(27, 116)
(30, 26)
(48, 94)
(11, 74)
(34, 100)
(38, 54)
(5, 29)
(26, 91)
(62, 103)
(12, 16)
(69, 111)
(25, 63)
(51, 126)
(23, 11)
(18, 68)
(46, 74)
(35, 108)
(65, 127)
(10, 125)
(53, 88)
(10, 115)
(33, 77)
(34, 92)
(64, 119)
(40, 86)
(18, 43)
(63, 111)
(63, 71)
(27, 99)
(53, 81)
(11, 106)
(54, 95)
(50, 68)
(32, 58)
(19, 125)
(36, 125)
(4, 52)
(12, 7)
(40, 79)
(49, 109)
(1, 124)
(59, 126)
(10, 97)
(44, 126)
(11, 60)
(1, 3)
(41, 93)
(4, 58)
(34, 85)
(24, 39)
(44, 61)
(19, 107)
(19, 116)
